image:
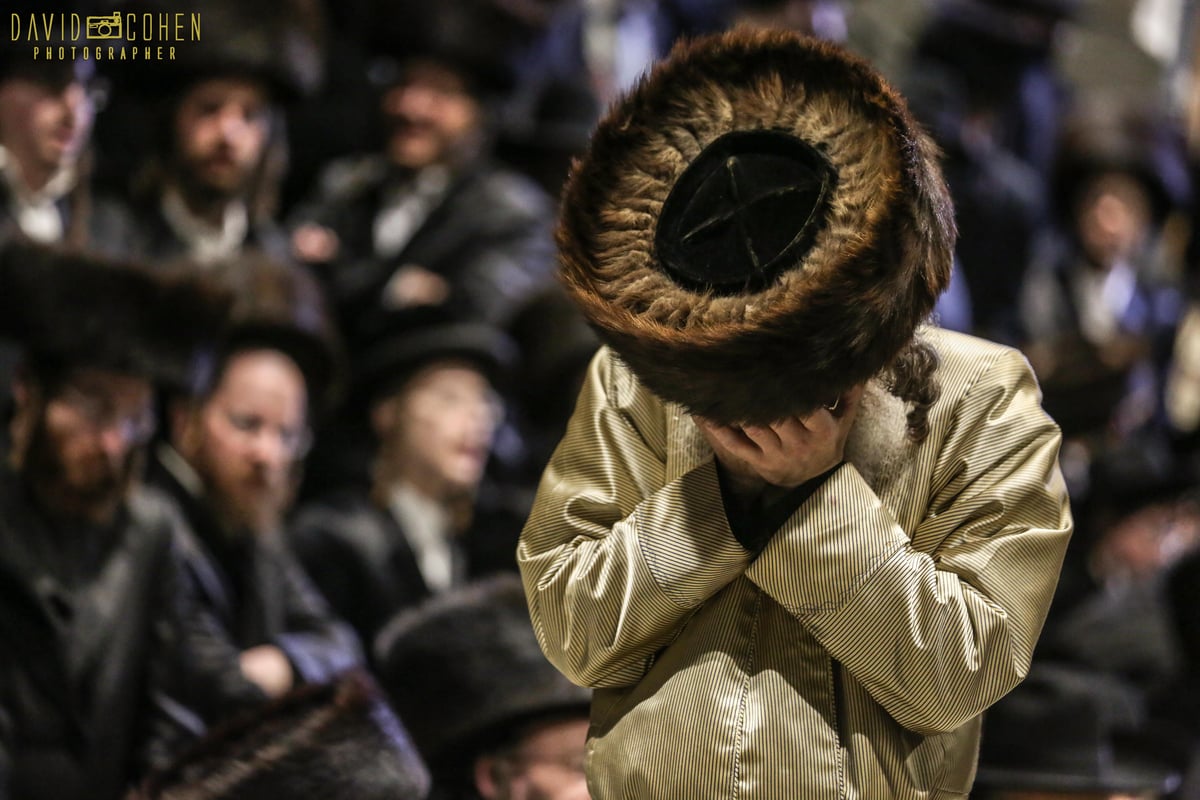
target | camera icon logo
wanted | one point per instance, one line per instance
(107, 26)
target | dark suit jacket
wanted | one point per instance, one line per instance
(257, 591)
(358, 555)
(97, 636)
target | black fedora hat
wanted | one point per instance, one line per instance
(407, 339)
(280, 306)
(465, 666)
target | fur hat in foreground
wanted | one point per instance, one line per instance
(758, 226)
(465, 668)
(319, 741)
(72, 310)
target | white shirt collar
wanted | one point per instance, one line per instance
(427, 527)
(206, 243)
(36, 211)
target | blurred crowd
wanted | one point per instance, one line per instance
(282, 356)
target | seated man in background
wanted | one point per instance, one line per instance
(491, 717)
(433, 216)
(231, 463)
(420, 528)
(95, 619)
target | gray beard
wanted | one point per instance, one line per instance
(878, 444)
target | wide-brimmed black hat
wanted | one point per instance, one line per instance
(32, 24)
(1105, 136)
(68, 309)
(758, 226)
(281, 44)
(479, 40)
(467, 664)
(407, 339)
(1070, 730)
(282, 307)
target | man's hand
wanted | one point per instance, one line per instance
(315, 244)
(784, 454)
(267, 666)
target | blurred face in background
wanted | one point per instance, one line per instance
(1113, 218)
(437, 430)
(79, 444)
(246, 438)
(222, 127)
(546, 764)
(431, 117)
(45, 123)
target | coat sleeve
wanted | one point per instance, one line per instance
(5, 749)
(194, 676)
(315, 640)
(937, 634)
(613, 558)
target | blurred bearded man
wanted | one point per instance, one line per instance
(208, 191)
(432, 217)
(232, 462)
(96, 627)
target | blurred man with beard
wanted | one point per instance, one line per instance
(232, 464)
(95, 623)
(431, 217)
(209, 190)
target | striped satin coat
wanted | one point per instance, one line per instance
(853, 657)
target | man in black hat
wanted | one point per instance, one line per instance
(795, 539)
(492, 718)
(208, 190)
(431, 217)
(95, 622)
(231, 462)
(418, 529)
(46, 111)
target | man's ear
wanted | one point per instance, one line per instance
(183, 425)
(26, 399)
(490, 777)
(383, 417)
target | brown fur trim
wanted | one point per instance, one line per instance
(836, 318)
(337, 739)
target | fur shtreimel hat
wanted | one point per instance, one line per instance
(71, 310)
(758, 226)
(465, 667)
(319, 741)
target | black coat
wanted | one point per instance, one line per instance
(138, 230)
(257, 591)
(97, 638)
(359, 557)
(488, 236)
